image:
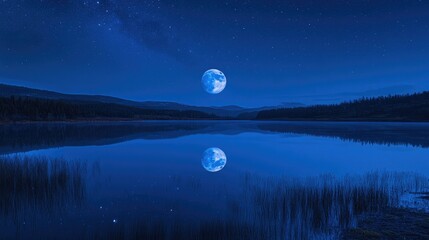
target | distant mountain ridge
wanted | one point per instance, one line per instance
(226, 111)
(397, 108)
(27, 104)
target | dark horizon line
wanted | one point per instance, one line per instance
(279, 105)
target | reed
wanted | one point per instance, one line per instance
(289, 208)
(32, 183)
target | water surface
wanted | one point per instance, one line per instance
(145, 180)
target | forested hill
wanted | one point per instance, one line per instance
(35, 109)
(7, 91)
(413, 107)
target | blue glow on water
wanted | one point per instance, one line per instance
(146, 174)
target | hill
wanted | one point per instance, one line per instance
(7, 91)
(411, 107)
(16, 108)
(22, 104)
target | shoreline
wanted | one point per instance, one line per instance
(207, 120)
(391, 223)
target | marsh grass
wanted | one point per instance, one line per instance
(321, 207)
(286, 208)
(30, 183)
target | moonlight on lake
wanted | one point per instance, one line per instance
(214, 159)
(214, 81)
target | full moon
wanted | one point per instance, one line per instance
(214, 81)
(214, 159)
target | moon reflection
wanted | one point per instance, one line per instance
(214, 159)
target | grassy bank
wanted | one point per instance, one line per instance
(391, 223)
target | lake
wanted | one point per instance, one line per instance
(146, 180)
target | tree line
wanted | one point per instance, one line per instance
(410, 107)
(35, 109)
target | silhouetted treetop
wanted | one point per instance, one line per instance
(410, 107)
(35, 109)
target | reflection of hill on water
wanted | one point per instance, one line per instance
(26, 137)
(414, 134)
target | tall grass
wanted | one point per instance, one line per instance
(285, 208)
(39, 184)
(321, 207)
(267, 208)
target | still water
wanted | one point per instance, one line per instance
(163, 180)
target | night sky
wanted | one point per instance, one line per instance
(271, 51)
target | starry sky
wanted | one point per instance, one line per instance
(271, 51)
